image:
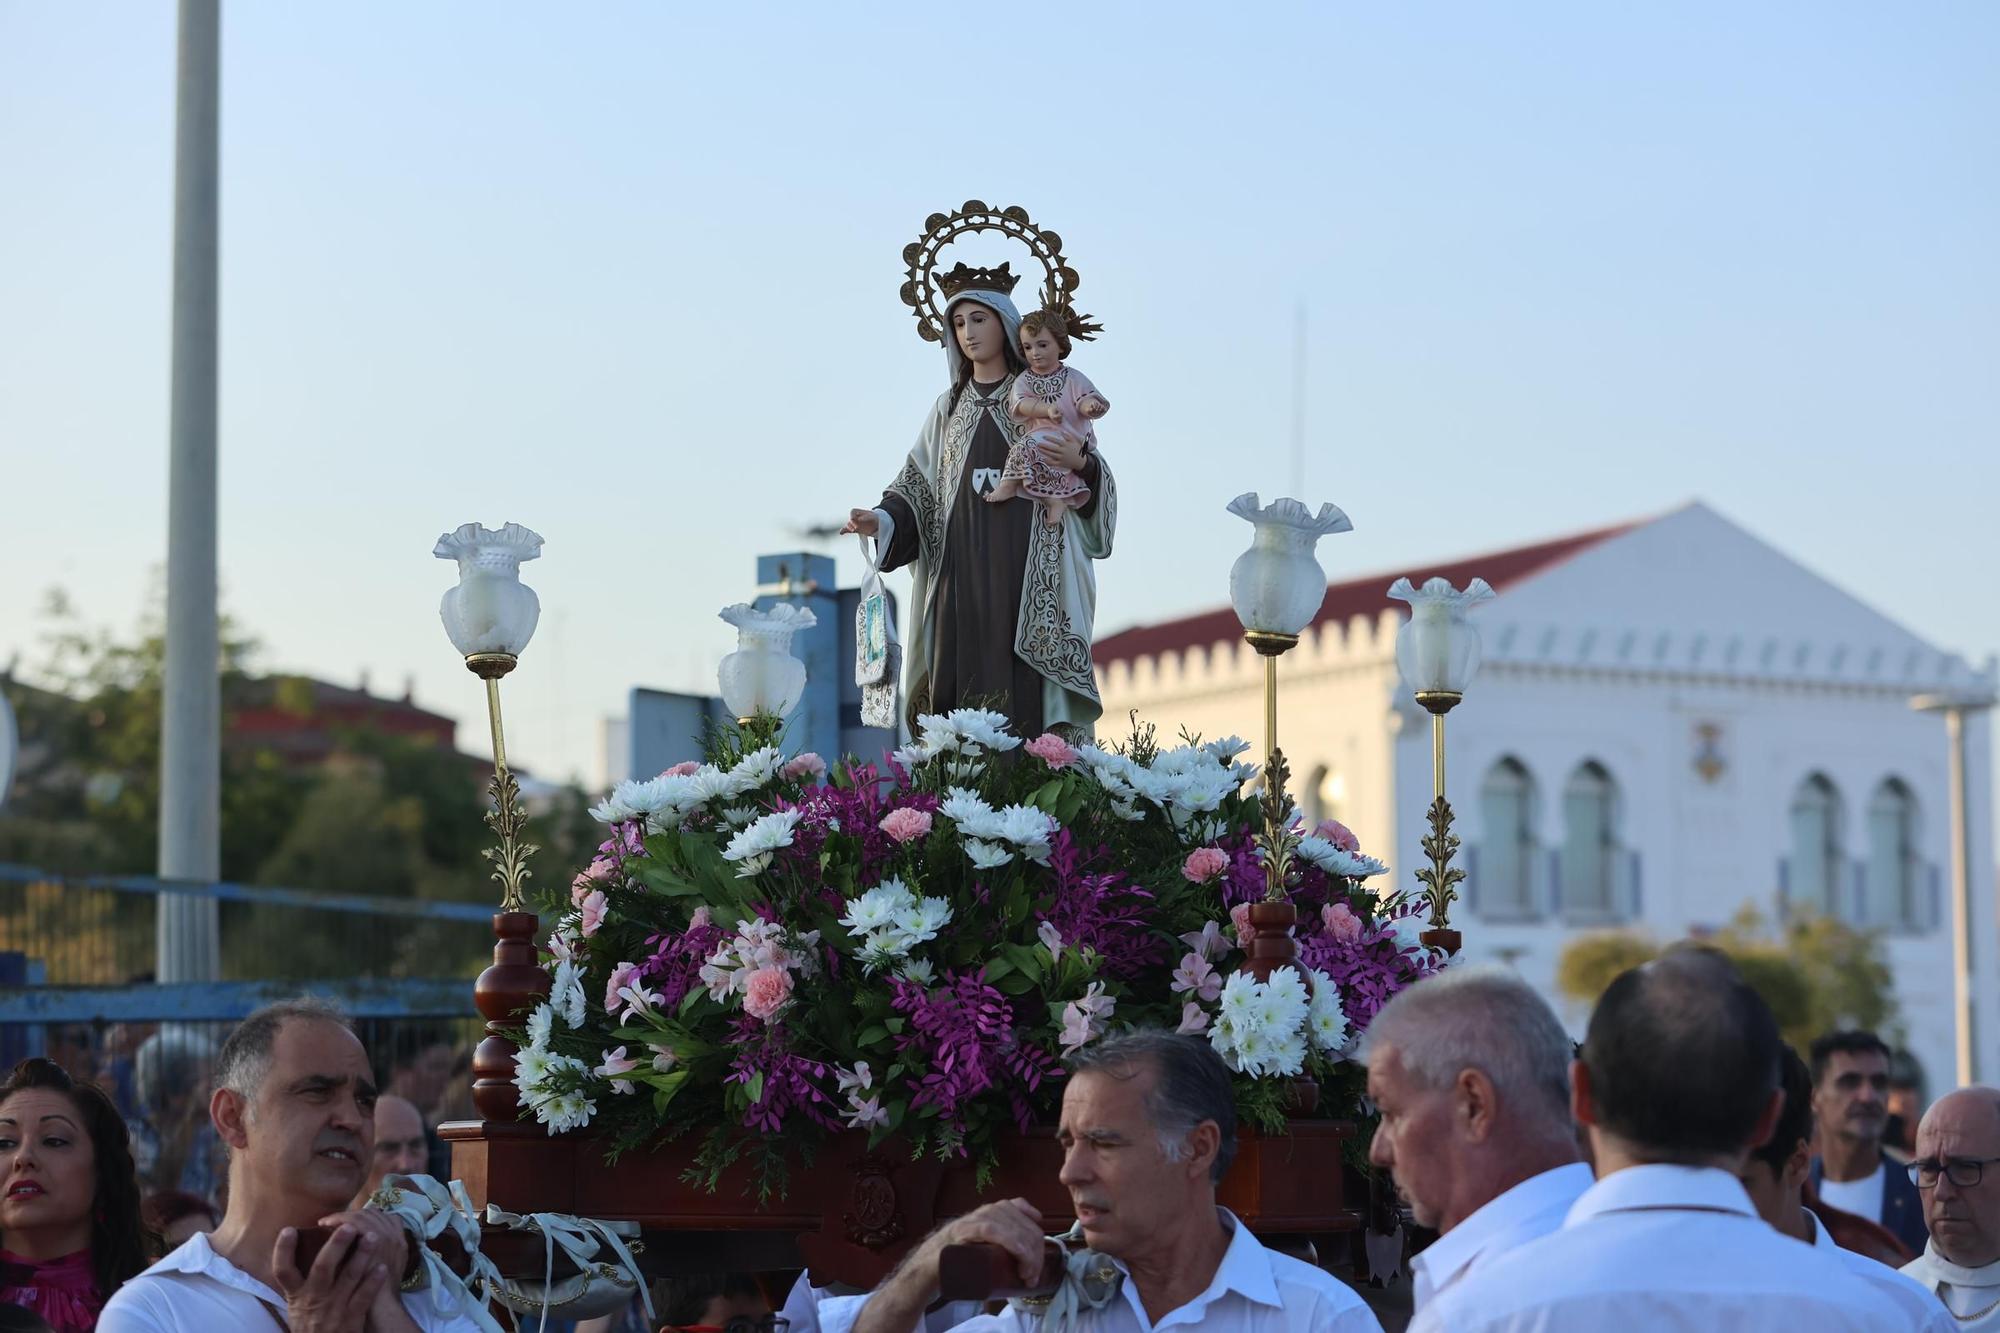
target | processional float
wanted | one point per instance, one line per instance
(614, 1141)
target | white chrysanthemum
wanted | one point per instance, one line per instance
(617, 807)
(962, 806)
(1334, 861)
(756, 769)
(878, 906)
(709, 783)
(986, 855)
(566, 993)
(936, 735)
(1326, 1020)
(540, 1024)
(1239, 1000)
(911, 757)
(1027, 827)
(918, 970)
(883, 948)
(1227, 748)
(531, 1070)
(983, 727)
(1284, 1002)
(923, 919)
(753, 847)
(572, 1110)
(1288, 1055)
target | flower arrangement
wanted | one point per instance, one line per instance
(770, 951)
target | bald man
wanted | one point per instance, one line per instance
(400, 1146)
(1957, 1171)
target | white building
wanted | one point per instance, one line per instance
(1673, 720)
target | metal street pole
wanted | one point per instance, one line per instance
(1954, 708)
(187, 939)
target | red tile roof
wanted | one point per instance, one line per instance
(1357, 597)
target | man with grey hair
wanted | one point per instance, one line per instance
(1148, 1128)
(295, 1102)
(1469, 1070)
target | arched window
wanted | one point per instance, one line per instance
(1590, 842)
(1892, 889)
(1814, 878)
(1505, 860)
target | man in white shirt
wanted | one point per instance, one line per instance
(1850, 1074)
(1148, 1128)
(1774, 1176)
(295, 1102)
(1958, 1149)
(1469, 1071)
(1678, 1080)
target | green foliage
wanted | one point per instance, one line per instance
(1815, 972)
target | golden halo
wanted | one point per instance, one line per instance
(920, 289)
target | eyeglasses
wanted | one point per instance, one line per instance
(743, 1323)
(1963, 1172)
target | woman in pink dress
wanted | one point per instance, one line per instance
(1054, 403)
(70, 1233)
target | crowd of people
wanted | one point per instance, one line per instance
(1682, 1168)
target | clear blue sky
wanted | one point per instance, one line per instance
(627, 274)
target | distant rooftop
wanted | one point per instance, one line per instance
(1367, 596)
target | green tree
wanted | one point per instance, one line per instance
(1816, 973)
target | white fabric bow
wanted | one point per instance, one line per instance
(580, 1239)
(426, 1206)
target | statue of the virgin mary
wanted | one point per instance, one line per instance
(1001, 602)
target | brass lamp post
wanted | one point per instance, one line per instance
(490, 616)
(1438, 652)
(1276, 588)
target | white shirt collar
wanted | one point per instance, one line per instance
(1457, 1249)
(1661, 1187)
(1930, 1267)
(1245, 1269)
(198, 1258)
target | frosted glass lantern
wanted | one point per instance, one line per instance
(1438, 650)
(1277, 585)
(490, 612)
(762, 678)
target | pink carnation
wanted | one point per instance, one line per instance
(622, 976)
(685, 768)
(700, 918)
(1204, 864)
(1239, 916)
(593, 908)
(906, 825)
(593, 874)
(1052, 750)
(1338, 834)
(808, 767)
(767, 991)
(1340, 922)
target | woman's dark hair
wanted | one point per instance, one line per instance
(20, 1319)
(163, 1208)
(684, 1300)
(120, 1247)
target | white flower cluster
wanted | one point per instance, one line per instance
(891, 921)
(552, 1084)
(1264, 1027)
(754, 847)
(989, 833)
(1187, 782)
(1349, 865)
(757, 945)
(666, 801)
(962, 738)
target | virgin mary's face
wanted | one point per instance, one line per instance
(980, 334)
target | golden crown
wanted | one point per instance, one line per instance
(965, 278)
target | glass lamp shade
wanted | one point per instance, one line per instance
(491, 610)
(762, 678)
(1277, 585)
(1438, 650)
